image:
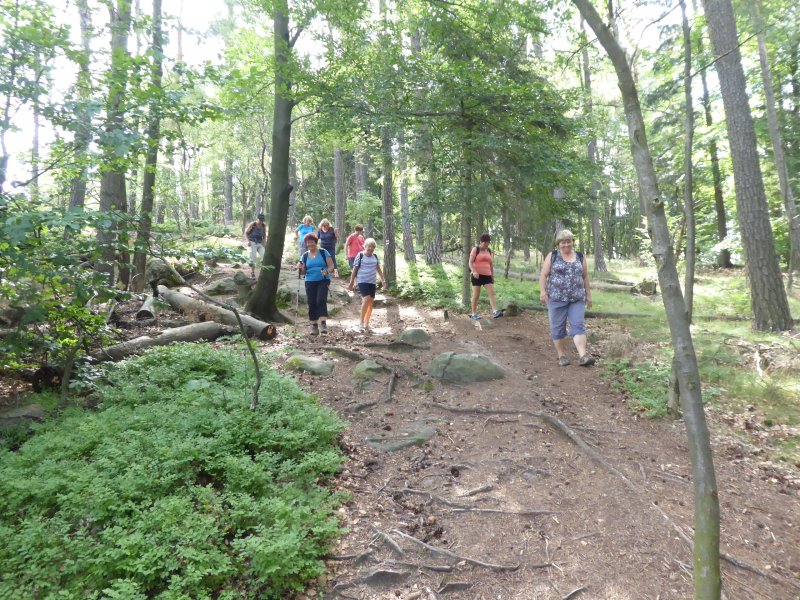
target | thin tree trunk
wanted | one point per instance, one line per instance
(227, 190)
(263, 301)
(688, 176)
(405, 212)
(151, 158)
(706, 520)
(792, 218)
(768, 298)
(293, 194)
(338, 190)
(387, 198)
(112, 183)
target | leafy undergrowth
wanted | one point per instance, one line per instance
(172, 488)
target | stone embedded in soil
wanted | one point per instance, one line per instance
(414, 337)
(222, 287)
(464, 368)
(310, 364)
(413, 434)
(15, 416)
(385, 578)
(368, 369)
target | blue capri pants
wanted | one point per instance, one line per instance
(317, 295)
(560, 312)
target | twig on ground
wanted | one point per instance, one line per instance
(498, 421)
(453, 556)
(484, 488)
(464, 508)
(574, 593)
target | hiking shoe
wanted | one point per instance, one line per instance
(497, 313)
(474, 317)
(586, 360)
(361, 327)
(563, 361)
(314, 329)
(252, 276)
(323, 327)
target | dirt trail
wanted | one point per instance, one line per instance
(584, 533)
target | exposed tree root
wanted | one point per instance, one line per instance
(562, 428)
(464, 508)
(390, 386)
(452, 555)
(574, 593)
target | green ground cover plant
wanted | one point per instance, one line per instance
(172, 488)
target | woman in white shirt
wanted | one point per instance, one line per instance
(366, 267)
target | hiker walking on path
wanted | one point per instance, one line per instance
(354, 244)
(564, 285)
(317, 265)
(302, 230)
(328, 236)
(366, 267)
(255, 234)
(481, 267)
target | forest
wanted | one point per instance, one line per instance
(665, 134)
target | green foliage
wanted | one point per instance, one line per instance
(173, 488)
(645, 384)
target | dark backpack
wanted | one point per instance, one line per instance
(578, 254)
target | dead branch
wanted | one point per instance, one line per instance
(464, 508)
(391, 385)
(453, 556)
(148, 309)
(484, 488)
(574, 593)
(437, 568)
(344, 352)
(209, 330)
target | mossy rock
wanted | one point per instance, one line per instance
(415, 337)
(310, 364)
(222, 287)
(368, 369)
(162, 273)
(464, 368)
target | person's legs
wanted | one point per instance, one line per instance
(364, 309)
(368, 313)
(557, 312)
(322, 301)
(476, 293)
(576, 312)
(311, 295)
(492, 297)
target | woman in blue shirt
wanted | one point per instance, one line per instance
(317, 265)
(306, 227)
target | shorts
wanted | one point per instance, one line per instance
(559, 312)
(256, 252)
(351, 260)
(367, 289)
(481, 280)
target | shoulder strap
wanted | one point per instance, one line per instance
(304, 258)
(553, 257)
(580, 256)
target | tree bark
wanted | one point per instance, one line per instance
(263, 301)
(405, 212)
(387, 198)
(151, 158)
(204, 310)
(706, 514)
(148, 309)
(768, 298)
(792, 218)
(688, 175)
(338, 190)
(189, 333)
(112, 184)
(227, 190)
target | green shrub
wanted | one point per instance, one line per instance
(645, 384)
(173, 488)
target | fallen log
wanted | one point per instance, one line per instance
(206, 311)
(190, 333)
(148, 309)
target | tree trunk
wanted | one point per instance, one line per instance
(227, 190)
(190, 333)
(387, 197)
(338, 190)
(263, 301)
(792, 218)
(591, 152)
(706, 520)
(204, 311)
(151, 158)
(688, 176)
(292, 194)
(148, 309)
(405, 212)
(35, 153)
(114, 167)
(768, 298)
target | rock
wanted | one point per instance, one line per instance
(15, 416)
(384, 578)
(368, 369)
(464, 368)
(512, 310)
(414, 337)
(161, 273)
(310, 364)
(222, 287)
(648, 287)
(413, 434)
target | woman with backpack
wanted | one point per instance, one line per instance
(317, 265)
(564, 289)
(328, 236)
(366, 267)
(481, 267)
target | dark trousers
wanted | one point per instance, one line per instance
(317, 298)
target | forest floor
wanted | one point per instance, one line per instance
(499, 504)
(611, 525)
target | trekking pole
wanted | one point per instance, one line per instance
(297, 300)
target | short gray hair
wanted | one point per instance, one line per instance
(564, 234)
(370, 242)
